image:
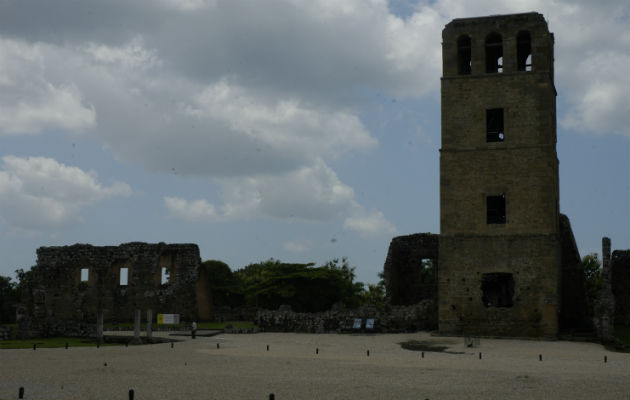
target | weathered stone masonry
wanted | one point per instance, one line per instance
(70, 285)
(508, 263)
(499, 250)
(403, 268)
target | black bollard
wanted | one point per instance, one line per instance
(268, 350)
(480, 355)
(98, 344)
(272, 396)
(540, 357)
(423, 354)
(368, 353)
(217, 345)
(605, 359)
(34, 346)
(66, 345)
(130, 394)
(317, 351)
(21, 393)
(172, 344)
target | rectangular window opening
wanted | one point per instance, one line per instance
(428, 270)
(496, 209)
(524, 51)
(494, 125)
(124, 276)
(85, 274)
(498, 289)
(165, 276)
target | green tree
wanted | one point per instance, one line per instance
(304, 287)
(592, 276)
(8, 299)
(225, 288)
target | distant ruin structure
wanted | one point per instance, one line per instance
(407, 277)
(620, 270)
(507, 262)
(71, 285)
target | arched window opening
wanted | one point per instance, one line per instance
(494, 53)
(524, 51)
(464, 55)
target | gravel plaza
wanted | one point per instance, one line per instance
(320, 366)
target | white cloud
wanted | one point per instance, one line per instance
(312, 193)
(29, 103)
(38, 192)
(132, 55)
(603, 105)
(370, 224)
(198, 210)
(283, 124)
(188, 5)
(298, 246)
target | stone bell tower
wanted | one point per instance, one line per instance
(499, 251)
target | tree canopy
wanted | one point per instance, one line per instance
(8, 299)
(271, 283)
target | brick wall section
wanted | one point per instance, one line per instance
(58, 303)
(574, 310)
(402, 269)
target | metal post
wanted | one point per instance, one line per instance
(136, 328)
(149, 322)
(99, 327)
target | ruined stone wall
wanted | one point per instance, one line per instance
(403, 270)
(393, 319)
(604, 307)
(59, 302)
(573, 309)
(620, 267)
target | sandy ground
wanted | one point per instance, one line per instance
(242, 368)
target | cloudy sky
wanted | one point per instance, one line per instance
(293, 129)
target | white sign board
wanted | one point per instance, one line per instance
(167, 319)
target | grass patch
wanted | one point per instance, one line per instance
(222, 325)
(50, 343)
(184, 326)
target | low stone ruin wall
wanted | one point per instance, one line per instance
(226, 314)
(392, 319)
(6, 333)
